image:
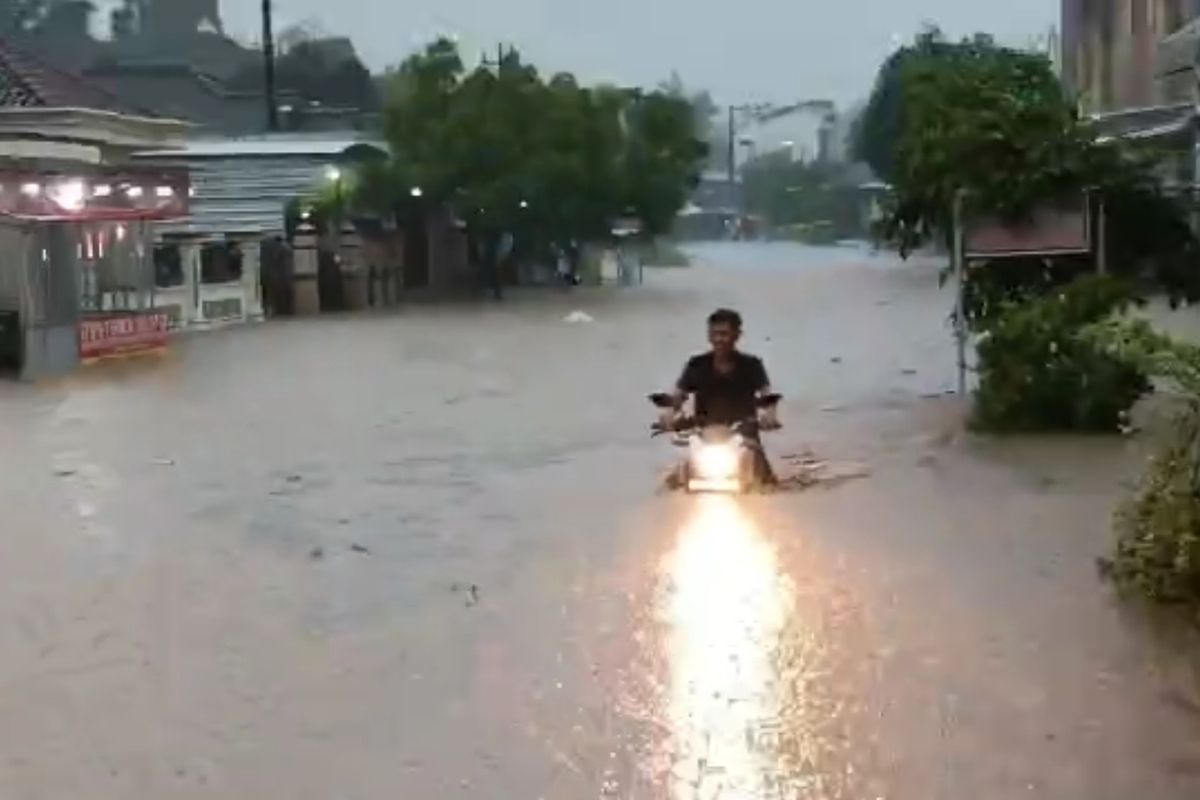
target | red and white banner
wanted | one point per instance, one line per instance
(122, 333)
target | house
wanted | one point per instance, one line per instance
(209, 262)
(75, 277)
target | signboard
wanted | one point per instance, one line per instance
(115, 334)
(1049, 232)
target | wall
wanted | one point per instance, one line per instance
(244, 193)
(1109, 49)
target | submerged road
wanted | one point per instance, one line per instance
(422, 556)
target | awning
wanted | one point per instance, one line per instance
(1165, 131)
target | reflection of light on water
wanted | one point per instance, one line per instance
(726, 607)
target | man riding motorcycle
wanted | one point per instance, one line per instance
(725, 385)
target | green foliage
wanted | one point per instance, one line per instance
(311, 71)
(1038, 370)
(996, 125)
(1158, 527)
(983, 119)
(787, 192)
(1136, 342)
(547, 160)
(993, 287)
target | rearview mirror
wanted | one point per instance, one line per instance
(662, 400)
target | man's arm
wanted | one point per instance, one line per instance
(762, 383)
(769, 417)
(685, 387)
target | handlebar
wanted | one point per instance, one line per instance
(684, 424)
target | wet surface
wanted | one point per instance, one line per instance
(423, 555)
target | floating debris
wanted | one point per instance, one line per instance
(810, 471)
(317, 553)
(164, 462)
(577, 317)
(358, 548)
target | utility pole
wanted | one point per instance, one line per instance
(269, 67)
(731, 155)
(499, 62)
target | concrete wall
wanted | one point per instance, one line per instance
(1109, 49)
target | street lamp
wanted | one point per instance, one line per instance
(416, 191)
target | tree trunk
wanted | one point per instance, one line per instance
(491, 263)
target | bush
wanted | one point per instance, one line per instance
(1158, 529)
(1038, 372)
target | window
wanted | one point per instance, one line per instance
(168, 266)
(220, 262)
(110, 267)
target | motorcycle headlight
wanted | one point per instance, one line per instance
(717, 462)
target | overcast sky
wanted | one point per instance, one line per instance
(746, 50)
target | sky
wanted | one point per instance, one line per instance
(743, 51)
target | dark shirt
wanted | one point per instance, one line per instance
(724, 398)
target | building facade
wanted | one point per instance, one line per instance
(1110, 47)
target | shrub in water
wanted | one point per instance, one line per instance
(1158, 528)
(1037, 372)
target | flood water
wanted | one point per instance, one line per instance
(422, 555)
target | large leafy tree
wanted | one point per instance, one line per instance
(997, 125)
(548, 161)
(877, 131)
(316, 72)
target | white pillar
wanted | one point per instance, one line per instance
(250, 244)
(305, 261)
(189, 259)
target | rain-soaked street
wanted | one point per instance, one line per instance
(422, 556)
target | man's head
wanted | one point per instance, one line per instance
(724, 330)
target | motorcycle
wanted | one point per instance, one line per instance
(720, 459)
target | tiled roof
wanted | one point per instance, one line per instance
(26, 81)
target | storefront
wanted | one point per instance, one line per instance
(77, 273)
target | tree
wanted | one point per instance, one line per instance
(547, 161)
(997, 125)
(661, 159)
(787, 192)
(878, 129)
(318, 70)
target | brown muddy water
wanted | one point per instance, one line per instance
(423, 556)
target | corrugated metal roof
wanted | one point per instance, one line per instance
(268, 145)
(246, 193)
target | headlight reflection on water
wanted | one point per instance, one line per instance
(726, 607)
